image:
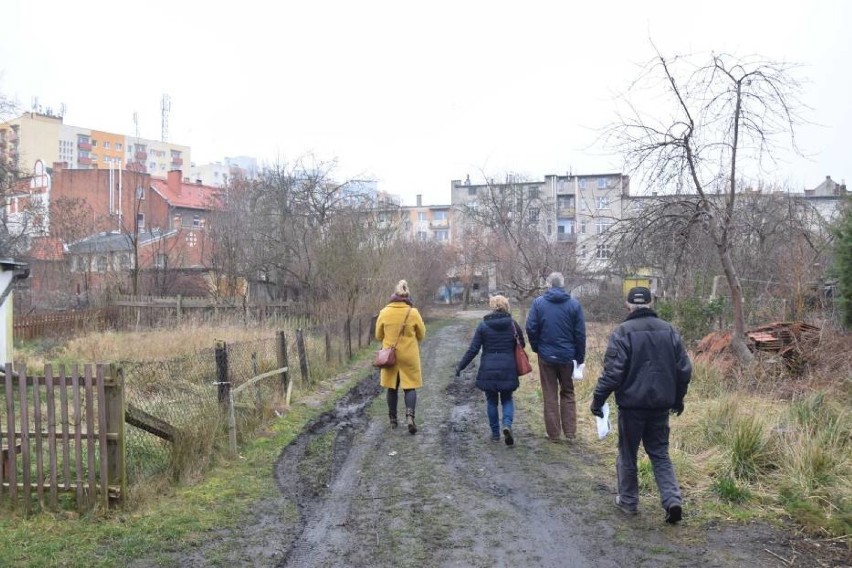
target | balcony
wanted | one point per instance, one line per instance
(84, 161)
(566, 213)
(439, 224)
(177, 161)
(566, 237)
(84, 146)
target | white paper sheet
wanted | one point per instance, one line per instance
(578, 371)
(603, 423)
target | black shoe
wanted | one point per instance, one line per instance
(409, 418)
(624, 508)
(674, 514)
(507, 436)
(394, 423)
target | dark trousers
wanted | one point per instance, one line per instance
(410, 397)
(651, 428)
(560, 408)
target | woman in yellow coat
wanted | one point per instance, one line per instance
(400, 323)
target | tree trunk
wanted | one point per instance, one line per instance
(738, 339)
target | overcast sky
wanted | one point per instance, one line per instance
(411, 94)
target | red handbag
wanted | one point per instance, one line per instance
(386, 357)
(522, 362)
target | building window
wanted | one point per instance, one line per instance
(124, 262)
(140, 193)
(533, 213)
(602, 202)
(603, 225)
(196, 221)
(582, 184)
(422, 235)
(471, 190)
(161, 261)
(602, 252)
(94, 143)
(106, 145)
(442, 235)
(533, 192)
(441, 215)
(102, 264)
(118, 146)
(582, 227)
(421, 215)
(140, 221)
(602, 183)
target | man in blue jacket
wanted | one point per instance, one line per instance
(556, 329)
(647, 367)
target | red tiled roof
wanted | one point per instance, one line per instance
(191, 195)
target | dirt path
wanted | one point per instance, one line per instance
(450, 497)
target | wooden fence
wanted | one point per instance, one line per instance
(62, 434)
(31, 327)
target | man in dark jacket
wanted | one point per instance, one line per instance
(647, 367)
(556, 329)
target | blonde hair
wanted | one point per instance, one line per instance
(499, 302)
(401, 289)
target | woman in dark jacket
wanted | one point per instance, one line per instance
(498, 375)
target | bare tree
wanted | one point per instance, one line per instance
(508, 224)
(722, 118)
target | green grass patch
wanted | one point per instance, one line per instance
(178, 518)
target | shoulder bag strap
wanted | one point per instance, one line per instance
(402, 327)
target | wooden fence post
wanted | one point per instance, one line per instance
(372, 333)
(11, 455)
(116, 450)
(281, 356)
(327, 347)
(179, 309)
(25, 436)
(303, 356)
(222, 380)
(347, 337)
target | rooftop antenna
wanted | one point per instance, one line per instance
(165, 107)
(35, 104)
(62, 109)
(136, 123)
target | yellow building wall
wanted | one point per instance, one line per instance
(38, 139)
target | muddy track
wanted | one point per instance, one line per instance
(355, 492)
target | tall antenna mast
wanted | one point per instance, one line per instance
(165, 107)
(136, 123)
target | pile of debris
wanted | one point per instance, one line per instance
(790, 340)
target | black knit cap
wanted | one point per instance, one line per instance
(639, 295)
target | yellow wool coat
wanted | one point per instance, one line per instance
(388, 326)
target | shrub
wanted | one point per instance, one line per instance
(750, 450)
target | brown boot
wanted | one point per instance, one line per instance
(409, 418)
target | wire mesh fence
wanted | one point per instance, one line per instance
(178, 404)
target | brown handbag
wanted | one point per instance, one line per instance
(386, 357)
(522, 362)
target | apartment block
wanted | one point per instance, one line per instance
(37, 136)
(427, 222)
